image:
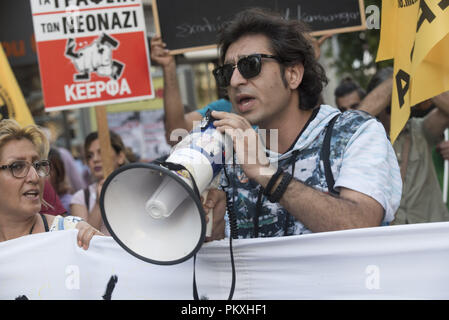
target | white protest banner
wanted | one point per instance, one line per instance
(91, 52)
(395, 262)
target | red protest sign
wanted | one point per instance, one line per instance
(91, 53)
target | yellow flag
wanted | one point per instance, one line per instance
(415, 33)
(387, 36)
(430, 66)
(12, 102)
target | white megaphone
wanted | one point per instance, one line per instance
(154, 211)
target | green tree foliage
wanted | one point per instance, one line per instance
(358, 50)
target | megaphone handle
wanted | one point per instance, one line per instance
(210, 214)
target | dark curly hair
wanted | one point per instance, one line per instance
(288, 41)
(347, 86)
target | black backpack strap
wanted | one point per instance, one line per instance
(44, 220)
(86, 197)
(325, 155)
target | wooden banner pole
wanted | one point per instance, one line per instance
(105, 140)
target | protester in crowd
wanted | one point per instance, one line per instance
(52, 204)
(175, 117)
(23, 170)
(85, 202)
(73, 175)
(422, 199)
(277, 186)
(58, 178)
(348, 94)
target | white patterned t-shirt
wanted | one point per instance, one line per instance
(361, 158)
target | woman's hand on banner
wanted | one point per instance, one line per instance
(85, 234)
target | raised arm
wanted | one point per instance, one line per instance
(378, 99)
(316, 43)
(438, 119)
(173, 106)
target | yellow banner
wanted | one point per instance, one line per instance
(387, 42)
(12, 102)
(415, 33)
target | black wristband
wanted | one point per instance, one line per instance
(272, 181)
(277, 194)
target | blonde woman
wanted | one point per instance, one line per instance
(23, 170)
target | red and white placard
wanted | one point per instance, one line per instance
(91, 52)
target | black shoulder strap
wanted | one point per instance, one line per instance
(86, 197)
(44, 220)
(325, 154)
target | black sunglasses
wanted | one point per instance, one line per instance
(249, 67)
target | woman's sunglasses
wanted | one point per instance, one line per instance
(249, 67)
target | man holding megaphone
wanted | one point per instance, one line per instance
(316, 169)
(306, 168)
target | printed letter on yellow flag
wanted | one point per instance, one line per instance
(415, 33)
(12, 102)
(430, 65)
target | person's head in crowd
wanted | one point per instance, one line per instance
(380, 76)
(57, 173)
(92, 153)
(348, 94)
(24, 167)
(58, 178)
(274, 46)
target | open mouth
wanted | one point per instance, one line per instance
(32, 194)
(245, 102)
